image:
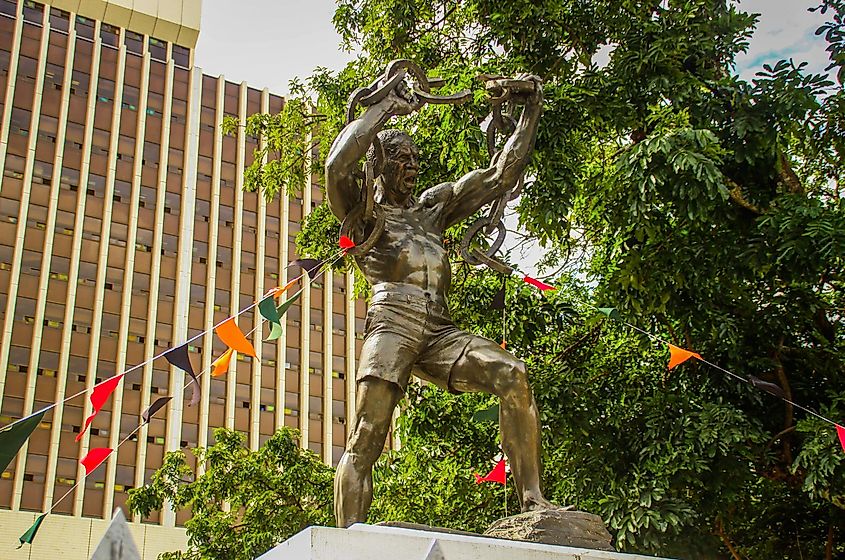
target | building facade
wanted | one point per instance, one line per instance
(125, 230)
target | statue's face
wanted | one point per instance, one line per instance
(400, 171)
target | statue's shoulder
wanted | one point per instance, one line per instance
(437, 195)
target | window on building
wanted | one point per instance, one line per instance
(105, 90)
(181, 56)
(8, 7)
(110, 35)
(59, 20)
(85, 28)
(79, 83)
(33, 12)
(158, 49)
(134, 42)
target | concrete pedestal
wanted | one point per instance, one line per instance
(368, 542)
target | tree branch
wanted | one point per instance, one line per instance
(736, 195)
(787, 175)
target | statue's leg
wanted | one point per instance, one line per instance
(484, 366)
(353, 483)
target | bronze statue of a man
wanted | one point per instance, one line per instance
(408, 322)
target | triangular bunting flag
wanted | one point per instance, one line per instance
(312, 266)
(499, 299)
(102, 391)
(503, 344)
(159, 403)
(276, 330)
(498, 474)
(276, 292)
(490, 414)
(13, 438)
(179, 357)
(94, 458)
(232, 336)
(537, 284)
(770, 388)
(220, 366)
(29, 536)
(840, 431)
(610, 312)
(677, 356)
(267, 308)
(345, 244)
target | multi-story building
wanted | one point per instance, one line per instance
(124, 230)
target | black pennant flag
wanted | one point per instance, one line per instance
(499, 299)
(159, 403)
(12, 439)
(179, 357)
(770, 388)
(311, 266)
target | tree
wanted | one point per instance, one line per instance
(242, 503)
(708, 210)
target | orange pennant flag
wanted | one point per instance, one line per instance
(677, 356)
(276, 292)
(230, 334)
(504, 344)
(221, 365)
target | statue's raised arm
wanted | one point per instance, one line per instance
(352, 143)
(477, 188)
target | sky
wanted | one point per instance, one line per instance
(268, 42)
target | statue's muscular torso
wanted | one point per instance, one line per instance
(410, 250)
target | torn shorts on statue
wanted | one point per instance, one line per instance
(406, 332)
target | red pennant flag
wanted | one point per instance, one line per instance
(229, 333)
(498, 474)
(94, 458)
(102, 391)
(840, 431)
(677, 356)
(345, 243)
(537, 284)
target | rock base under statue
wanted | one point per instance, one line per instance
(366, 542)
(554, 526)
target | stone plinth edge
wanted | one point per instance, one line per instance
(368, 542)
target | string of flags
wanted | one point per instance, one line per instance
(678, 355)
(14, 435)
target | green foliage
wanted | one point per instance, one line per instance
(242, 503)
(707, 209)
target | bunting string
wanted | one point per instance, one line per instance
(679, 355)
(97, 456)
(271, 293)
(721, 369)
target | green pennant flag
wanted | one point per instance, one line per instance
(276, 327)
(13, 438)
(611, 312)
(29, 536)
(490, 414)
(267, 307)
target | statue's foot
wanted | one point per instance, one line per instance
(540, 503)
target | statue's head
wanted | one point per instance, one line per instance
(398, 178)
